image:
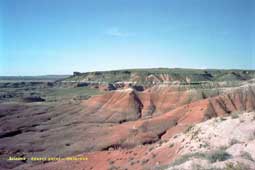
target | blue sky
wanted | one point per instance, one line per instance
(62, 36)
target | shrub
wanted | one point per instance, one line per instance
(132, 163)
(171, 145)
(151, 148)
(235, 115)
(222, 118)
(188, 128)
(161, 167)
(131, 159)
(199, 167)
(161, 142)
(217, 155)
(204, 145)
(113, 168)
(195, 133)
(145, 161)
(186, 157)
(238, 166)
(111, 162)
(233, 141)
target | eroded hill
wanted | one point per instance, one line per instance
(118, 128)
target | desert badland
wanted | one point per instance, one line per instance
(130, 119)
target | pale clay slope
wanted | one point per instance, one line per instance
(236, 134)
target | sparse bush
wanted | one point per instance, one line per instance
(217, 155)
(161, 142)
(111, 162)
(132, 163)
(113, 168)
(151, 148)
(153, 155)
(171, 145)
(235, 115)
(238, 166)
(144, 161)
(233, 141)
(195, 133)
(199, 167)
(130, 159)
(161, 167)
(205, 145)
(223, 147)
(188, 128)
(186, 157)
(222, 118)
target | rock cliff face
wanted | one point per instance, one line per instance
(128, 104)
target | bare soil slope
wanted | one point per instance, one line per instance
(123, 128)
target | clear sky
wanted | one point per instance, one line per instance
(61, 36)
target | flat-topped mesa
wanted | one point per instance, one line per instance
(76, 73)
(163, 75)
(141, 79)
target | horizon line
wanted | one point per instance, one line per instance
(140, 68)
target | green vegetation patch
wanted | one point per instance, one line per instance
(237, 166)
(180, 74)
(213, 156)
(71, 93)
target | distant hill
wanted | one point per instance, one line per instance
(158, 75)
(33, 78)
